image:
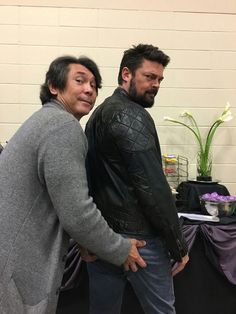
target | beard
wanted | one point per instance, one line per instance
(146, 100)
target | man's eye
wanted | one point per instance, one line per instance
(79, 80)
(150, 77)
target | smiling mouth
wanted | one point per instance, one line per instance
(86, 101)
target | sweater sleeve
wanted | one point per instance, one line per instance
(62, 155)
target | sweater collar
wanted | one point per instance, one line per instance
(55, 103)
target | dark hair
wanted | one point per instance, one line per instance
(134, 57)
(58, 72)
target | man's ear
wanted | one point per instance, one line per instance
(54, 91)
(126, 75)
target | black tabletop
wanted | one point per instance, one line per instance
(189, 192)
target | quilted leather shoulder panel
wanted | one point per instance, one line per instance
(133, 128)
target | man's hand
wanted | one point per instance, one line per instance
(86, 255)
(134, 256)
(180, 265)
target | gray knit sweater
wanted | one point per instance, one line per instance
(43, 201)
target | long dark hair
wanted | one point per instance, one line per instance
(58, 72)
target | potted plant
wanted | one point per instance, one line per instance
(204, 161)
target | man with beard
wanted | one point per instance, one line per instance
(130, 188)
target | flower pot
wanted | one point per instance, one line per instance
(204, 178)
(204, 166)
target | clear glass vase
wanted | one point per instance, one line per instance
(204, 167)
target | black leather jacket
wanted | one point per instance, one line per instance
(125, 172)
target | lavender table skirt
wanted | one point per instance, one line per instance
(221, 241)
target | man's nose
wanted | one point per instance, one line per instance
(156, 83)
(88, 88)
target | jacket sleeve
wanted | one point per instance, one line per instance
(136, 139)
(61, 163)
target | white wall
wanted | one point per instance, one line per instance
(199, 36)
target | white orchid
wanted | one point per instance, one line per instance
(204, 145)
(226, 115)
(168, 119)
(185, 114)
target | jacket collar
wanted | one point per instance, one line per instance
(121, 91)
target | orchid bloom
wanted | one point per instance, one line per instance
(204, 145)
(185, 114)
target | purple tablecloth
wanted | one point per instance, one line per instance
(219, 238)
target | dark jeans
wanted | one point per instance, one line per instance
(153, 285)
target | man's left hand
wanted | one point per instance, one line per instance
(134, 257)
(180, 265)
